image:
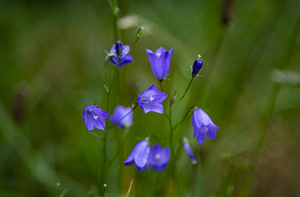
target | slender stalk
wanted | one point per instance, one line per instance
(186, 89)
(115, 124)
(161, 86)
(182, 120)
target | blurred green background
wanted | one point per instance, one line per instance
(52, 54)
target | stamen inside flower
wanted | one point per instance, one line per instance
(157, 156)
(145, 100)
(90, 111)
(95, 117)
(205, 128)
(158, 54)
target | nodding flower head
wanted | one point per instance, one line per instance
(94, 117)
(203, 126)
(120, 51)
(151, 100)
(159, 158)
(160, 62)
(197, 66)
(119, 112)
(139, 155)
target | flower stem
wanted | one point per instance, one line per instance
(173, 166)
(186, 115)
(161, 86)
(187, 89)
(115, 124)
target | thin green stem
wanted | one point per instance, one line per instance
(173, 165)
(115, 124)
(186, 115)
(187, 89)
(161, 86)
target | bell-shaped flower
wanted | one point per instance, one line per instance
(94, 117)
(116, 50)
(159, 158)
(139, 155)
(160, 62)
(120, 113)
(188, 150)
(203, 126)
(151, 100)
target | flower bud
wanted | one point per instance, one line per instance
(139, 32)
(119, 48)
(197, 66)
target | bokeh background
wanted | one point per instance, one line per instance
(51, 65)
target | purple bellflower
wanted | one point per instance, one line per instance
(197, 66)
(119, 113)
(116, 50)
(203, 126)
(140, 156)
(94, 117)
(151, 100)
(188, 150)
(159, 158)
(160, 62)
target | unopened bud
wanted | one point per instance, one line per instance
(139, 32)
(119, 48)
(197, 66)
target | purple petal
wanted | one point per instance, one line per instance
(154, 65)
(126, 49)
(128, 59)
(142, 154)
(137, 151)
(164, 65)
(119, 112)
(211, 133)
(160, 50)
(149, 51)
(155, 107)
(159, 158)
(200, 135)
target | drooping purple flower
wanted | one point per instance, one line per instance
(140, 156)
(203, 126)
(125, 50)
(94, 117)
(197, 66)
(159, 158)
(151, 100)
(160, 62)
(119, 112)
(188, 150)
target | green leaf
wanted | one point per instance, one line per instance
(63, 193)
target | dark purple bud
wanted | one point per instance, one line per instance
(197, 66)
(119, 48)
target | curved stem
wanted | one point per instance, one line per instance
(182, 120)
(187, 89)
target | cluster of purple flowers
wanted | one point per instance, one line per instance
(142, 157)
(149, 100)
